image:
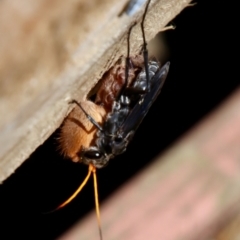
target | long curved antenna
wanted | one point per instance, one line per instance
(90, 170)
(97, 202)
(145, 51)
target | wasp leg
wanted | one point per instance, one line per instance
(145, 51)
(87, 115)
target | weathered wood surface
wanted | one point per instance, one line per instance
(54, 51)
(191, 192)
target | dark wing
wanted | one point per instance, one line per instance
(141, 108)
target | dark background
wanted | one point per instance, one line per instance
(202, 75)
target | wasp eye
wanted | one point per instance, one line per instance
(93, 155)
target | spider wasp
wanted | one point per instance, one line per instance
(95, 132)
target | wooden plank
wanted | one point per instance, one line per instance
(190, 192)
(231, 231)
(54, 51)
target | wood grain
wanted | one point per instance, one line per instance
(54, 51)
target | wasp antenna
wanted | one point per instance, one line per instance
(145, 51)
(90, 170)
(97, 202)
(87, 115)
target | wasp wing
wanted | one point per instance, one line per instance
(140, 109)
